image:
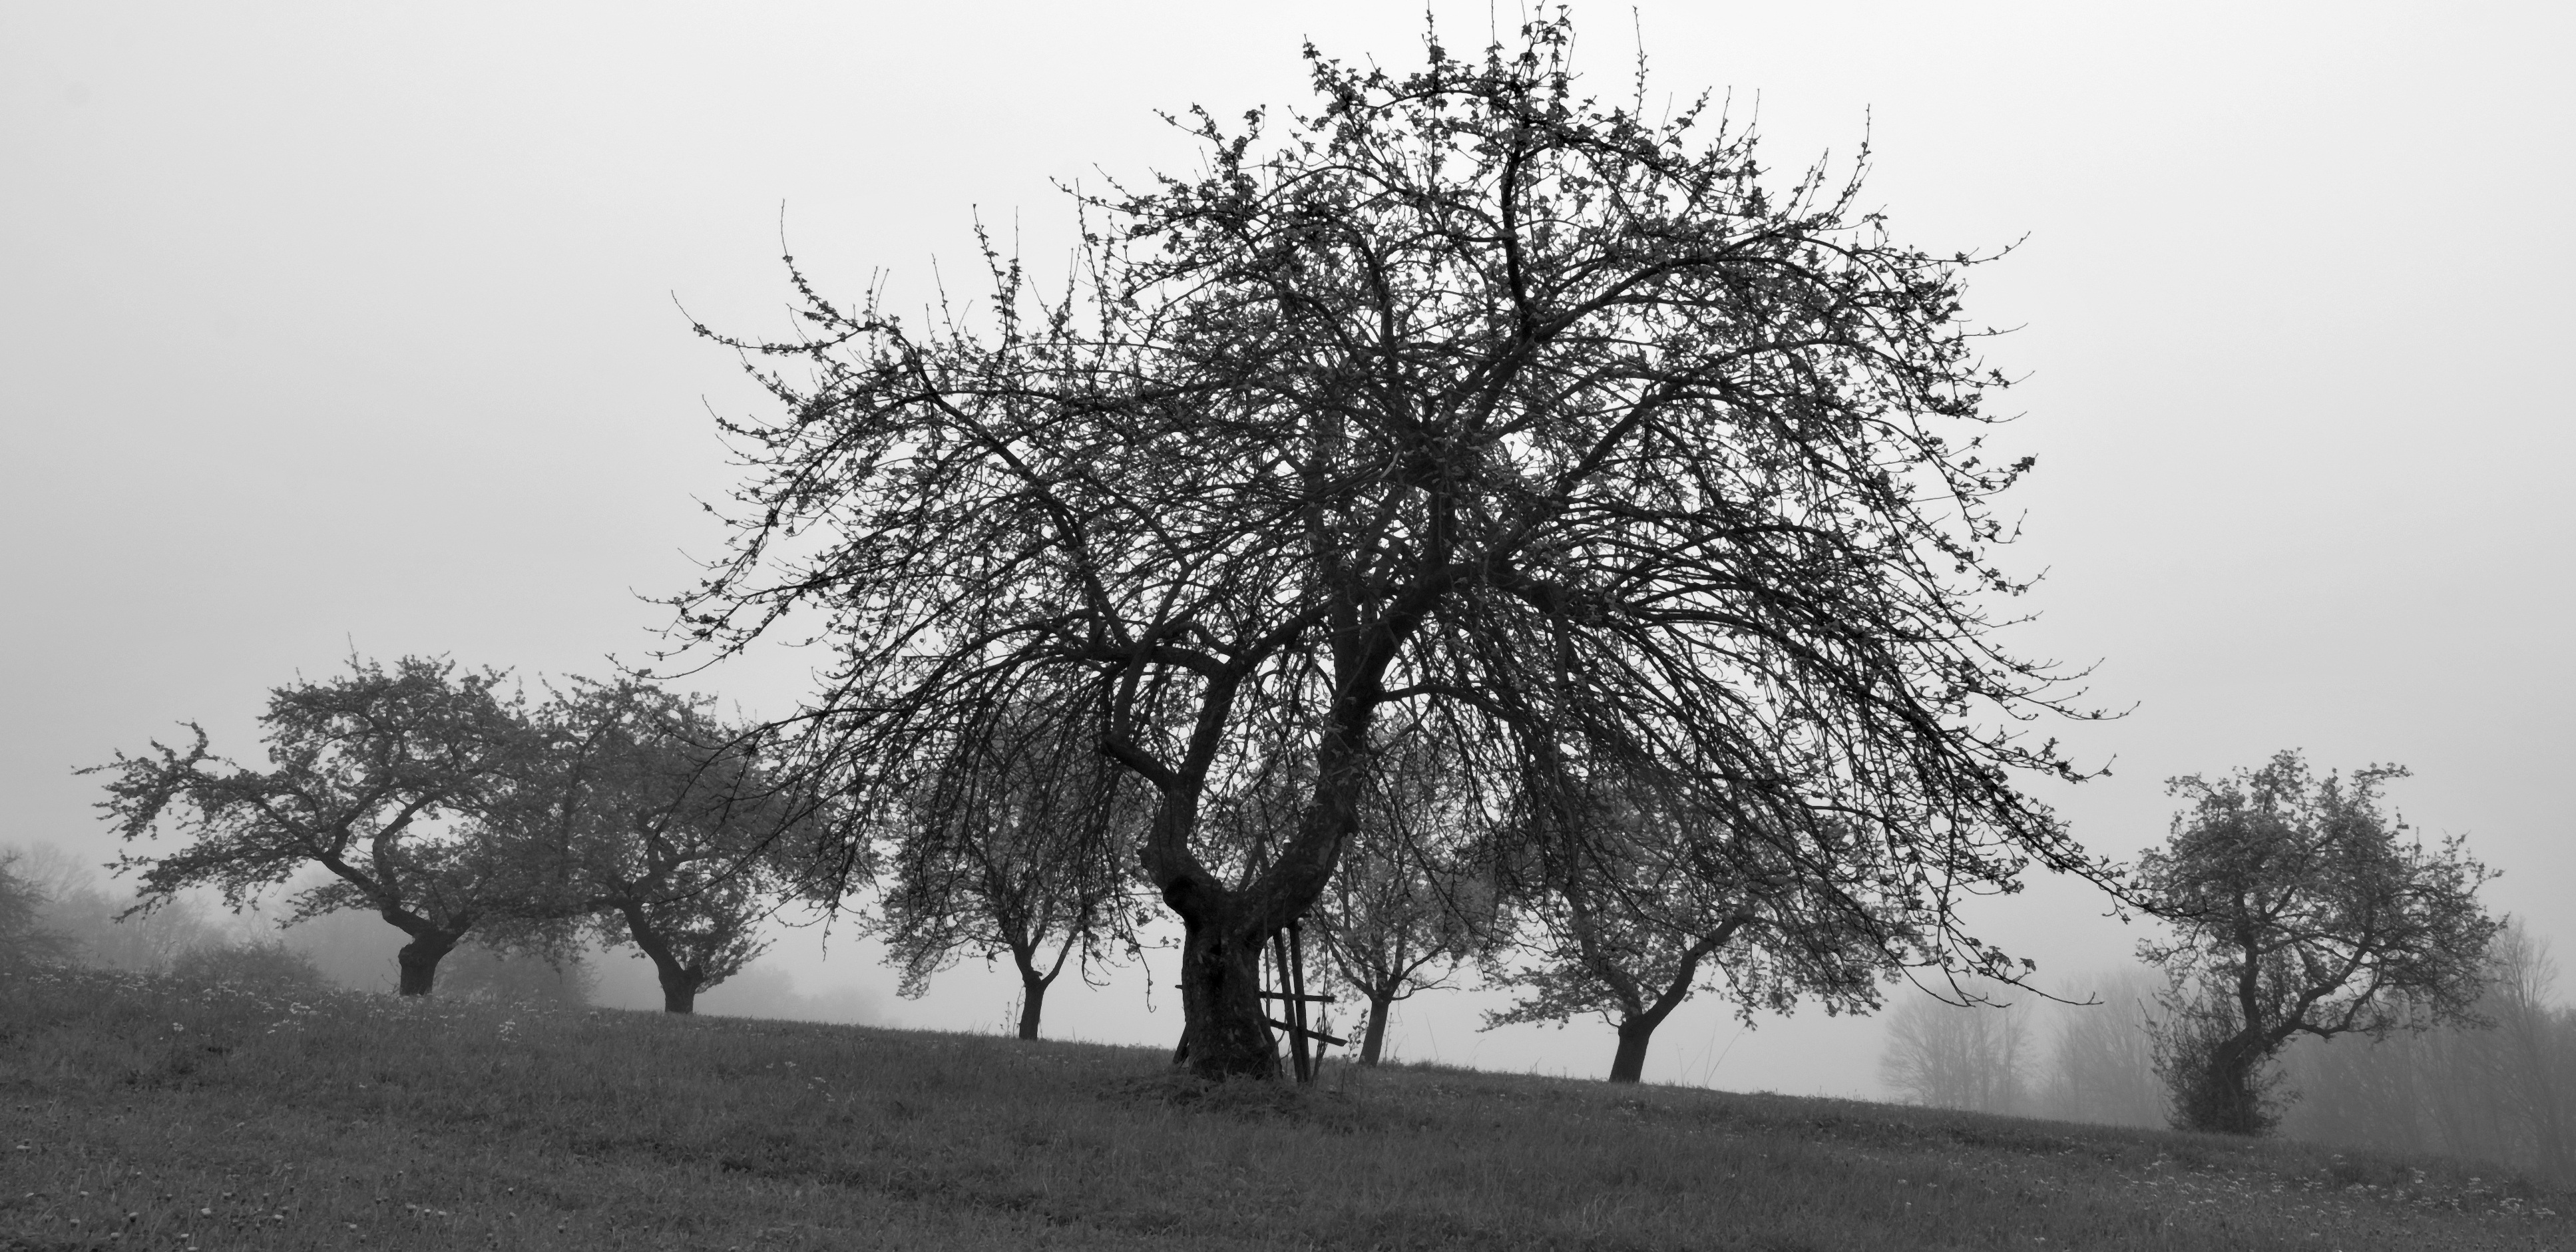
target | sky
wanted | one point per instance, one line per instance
(333, 327)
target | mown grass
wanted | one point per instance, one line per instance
(139, 1113)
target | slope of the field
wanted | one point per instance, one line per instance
(144, 1114)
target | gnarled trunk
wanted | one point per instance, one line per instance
(1226, 1033)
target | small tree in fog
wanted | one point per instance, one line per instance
(1402, 914)
(2102, 1064)
(1627, 895)
(1973, 1054)
(2495, 1090)
(2298, 910)
(93, 924)
(1013, 845)
(376, 776)
(659, 824)
(2532, 1043)
(25, 940)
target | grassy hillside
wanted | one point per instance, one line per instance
(141, 1113)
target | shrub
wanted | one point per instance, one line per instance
(475, 972)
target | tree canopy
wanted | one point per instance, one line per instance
(374, 776)
(2298, 909)
(25, 940)
(656, 821)
(1409, 903)
(1013, 846)
(1464, 391)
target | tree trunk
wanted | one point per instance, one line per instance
(1637, 1019)
(1226, 1033)
(680, 984)
(419, 961)
(1629, 1064)
(2243, 1111)
(1375, 1038)
(2226, 1102)
(1033, 991)
(679, 994)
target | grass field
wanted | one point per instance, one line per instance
(138, 1113)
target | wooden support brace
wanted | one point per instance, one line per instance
(1310, 1033)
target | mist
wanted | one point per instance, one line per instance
(335, 330)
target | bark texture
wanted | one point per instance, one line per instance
(1227, 1034)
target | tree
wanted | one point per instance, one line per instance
(2102, 1058)
(94, 926)
(1630, 896)
(2496, 1089)
(656, 821)
(1464, 392)
(2297, 910)
(1403, 911)
(376, 776)
(1013, 846)
(2521, 981)
(25, 940)
(1973, 1053)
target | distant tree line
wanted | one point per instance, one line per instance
(474, 819)
(620, 812)
(55, 911)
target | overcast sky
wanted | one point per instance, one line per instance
(327, 326)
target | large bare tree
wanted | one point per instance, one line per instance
(1464, 384)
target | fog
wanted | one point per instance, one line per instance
(338, 328)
